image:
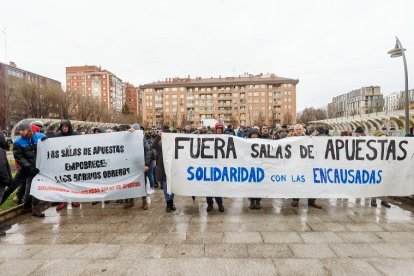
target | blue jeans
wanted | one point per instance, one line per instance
(150, 174)
(167, 196)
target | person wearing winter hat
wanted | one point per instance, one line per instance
(147, 159)
(379, 133)
(254, 202)
(65, 130)
(359, 131)
(160, 170)
(219, 129)
(25, 151)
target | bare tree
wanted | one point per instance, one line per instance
(310, 114)
(287, 118)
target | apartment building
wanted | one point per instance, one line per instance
(396, 100)
(243, 100)
(91, 80)
(9, 75)
(357, 102)
(131, 98)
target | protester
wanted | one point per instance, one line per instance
(230, 130)
(219, 129)
(254, 202)
(359, 132)
(384, 203)
(147, 159)
(24, 151)
(241, 132)
(160, 170)
(299, 131)
(6, 180)
(65, 130)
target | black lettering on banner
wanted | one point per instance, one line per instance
(400, 145)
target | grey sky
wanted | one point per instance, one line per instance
(331, 46)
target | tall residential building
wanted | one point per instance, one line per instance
(91, 80)
(396, 100)
(10, 74)
(131, 98)
(357, 102)
(243, 100)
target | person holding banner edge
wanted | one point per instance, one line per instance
(147, 159)
(66, 129)
(298, 130)
(219, 129)
(160, 170)
(25, 151)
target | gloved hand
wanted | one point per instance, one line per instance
(43, 138)
(33, 171)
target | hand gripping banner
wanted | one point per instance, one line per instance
(92, 167)
(295, 167)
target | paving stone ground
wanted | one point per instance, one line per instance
(346, 237)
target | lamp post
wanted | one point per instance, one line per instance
(397, 52)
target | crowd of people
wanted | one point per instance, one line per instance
(25, 150)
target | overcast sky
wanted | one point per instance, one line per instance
(331, 46)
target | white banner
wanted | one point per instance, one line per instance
(296, 167)
(94, 167)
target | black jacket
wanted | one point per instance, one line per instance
(70, 131)
(5, 172)
(159, 169)
(147, 153)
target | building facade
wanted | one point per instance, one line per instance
(243, 100)
(396, 100)
(357, 102)
(91, 80)
(10, 74)
(131, 98)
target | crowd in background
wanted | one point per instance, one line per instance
(25, 149)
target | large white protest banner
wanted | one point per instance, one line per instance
(94, 167)
(295, 167)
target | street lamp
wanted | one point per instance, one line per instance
(397, 52)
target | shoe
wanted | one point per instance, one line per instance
(95, 202)
(129, 204)
(27, 210)
(76, 204)
(37, 213)
(168, 209)
(172, 205)
(251, 206)
(221, 208)
(257, 205)
(151, 191)
(61, 206)
(295, 203)
(145, 204)
(374, 203)
(315, 205)
(4, 226)
(209, 207)
(119, 201)
(385, 204)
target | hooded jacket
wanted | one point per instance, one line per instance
(5, 172)
(25, 150)
(70, 131)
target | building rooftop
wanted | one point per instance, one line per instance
(238, 80)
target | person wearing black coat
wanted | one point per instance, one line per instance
(65, 129)
(160, 171)
(24, 152)
(6, 179)
(147, 159)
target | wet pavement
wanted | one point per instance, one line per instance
(346, 237)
